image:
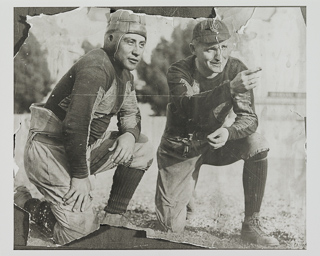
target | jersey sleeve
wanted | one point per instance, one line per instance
(129, 118)
(86, 94)
(246, 121)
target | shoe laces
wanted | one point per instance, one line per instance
(255, 224)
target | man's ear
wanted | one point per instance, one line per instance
(192, 48)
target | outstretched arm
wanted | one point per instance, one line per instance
(246, 121)
(193, 105)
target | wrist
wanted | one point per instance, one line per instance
(230, 132)
(134, 132)
(232, 92)
(227, 133)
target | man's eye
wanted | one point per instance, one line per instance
(129, 41)
(142, 45)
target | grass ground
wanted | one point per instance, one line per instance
(218, 199)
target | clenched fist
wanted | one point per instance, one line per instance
(218, 138)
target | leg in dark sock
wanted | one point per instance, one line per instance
(254, 182)
(125, 182)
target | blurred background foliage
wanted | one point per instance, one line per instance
(32, 81)
(155, 90)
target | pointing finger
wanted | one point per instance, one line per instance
(253, 71)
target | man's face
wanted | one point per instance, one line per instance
(211, 58)
(130, 50)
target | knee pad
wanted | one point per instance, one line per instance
(128, 164)
(144, 158)
(259, 156)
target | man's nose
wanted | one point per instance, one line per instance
(217, 55)
(136, 51)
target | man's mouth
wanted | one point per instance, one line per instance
(133, 60)
(215, 63)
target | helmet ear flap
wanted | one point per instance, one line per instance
(109, 42)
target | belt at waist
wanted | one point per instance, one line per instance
(196, 136)
(47, 139)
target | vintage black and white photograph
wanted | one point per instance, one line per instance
(160, 127)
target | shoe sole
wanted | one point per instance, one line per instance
(253, 242)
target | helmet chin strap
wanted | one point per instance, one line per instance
(117, 47)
